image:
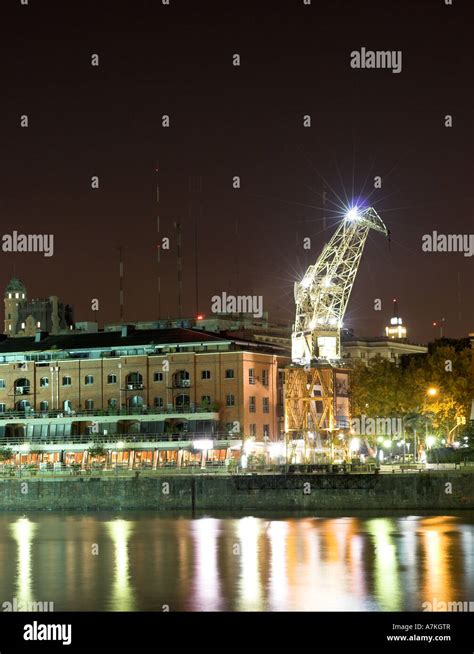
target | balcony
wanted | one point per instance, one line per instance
(22, 390)
(98, 413)
(181, 383)
(134, 386)
(125, 439)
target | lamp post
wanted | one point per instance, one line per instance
(460, 420)
(403, 438)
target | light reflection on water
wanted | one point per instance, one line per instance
(140, 561)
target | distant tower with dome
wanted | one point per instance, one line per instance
(15, 293)
(25, 318)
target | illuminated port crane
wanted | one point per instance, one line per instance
(317, 383)
(322, 295)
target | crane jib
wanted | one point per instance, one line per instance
(322, 295)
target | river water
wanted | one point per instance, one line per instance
(141, 561)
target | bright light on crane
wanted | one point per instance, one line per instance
(353, 214)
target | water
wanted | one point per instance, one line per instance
(140, 561)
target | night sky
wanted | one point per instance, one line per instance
(245, 121)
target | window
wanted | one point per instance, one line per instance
(67, 381)
(251, 375)
(134, 381)
(3, 408)
(89, 405)
(266, 405)
(280, 396)
(266, 431)
(44, 405)
(205, 399)
(159, 402)
(182, 401)
(181, 379)
(2, 383)
(265, 377)
(23, 405)
(111, 379)
(252, 407)
(253, 429)
(135, 402)
(44, 382)
(112, 403)
(229, 374)
(158, 376)
(230, 400)
(88, 380)
(205, 374)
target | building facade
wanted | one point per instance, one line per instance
(157, 387)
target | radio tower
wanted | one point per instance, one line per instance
(158, 247)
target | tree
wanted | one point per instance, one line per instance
(449, 372)
(96, 451)
(379, 390)
(6, 454)
(383, 389)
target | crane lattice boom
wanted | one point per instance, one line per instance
(322, 295)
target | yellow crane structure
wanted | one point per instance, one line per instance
(317, 383)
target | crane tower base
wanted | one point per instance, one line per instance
(317, 413)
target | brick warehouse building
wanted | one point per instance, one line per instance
(163, 389)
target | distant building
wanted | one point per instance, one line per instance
(246, 327)
(25, 317)
(390, 347)
(223, 322)
(86, 326)
(386, 348)
(396, 328)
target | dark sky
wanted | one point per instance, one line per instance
(246, 121)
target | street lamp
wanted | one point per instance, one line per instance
(460, 420)
(355, 445)
(430, 441)
(432, 391)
